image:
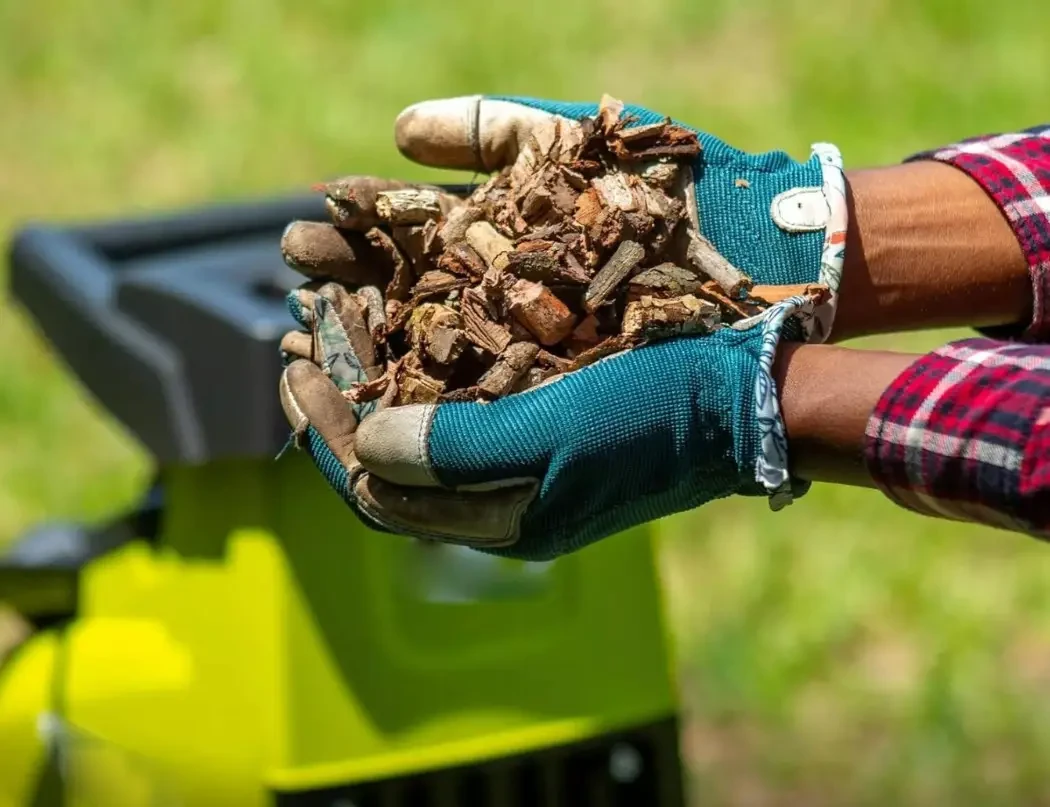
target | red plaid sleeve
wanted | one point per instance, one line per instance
(964, 433)
(1014, 169)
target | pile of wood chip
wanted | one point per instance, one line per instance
(580, 249)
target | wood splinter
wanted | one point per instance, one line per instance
(512, 364)
(407, 206)
(623, 261)
(702, 254)
(545, 316)
(658, 317)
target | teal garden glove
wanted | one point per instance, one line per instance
(636, 436)
(780, 221)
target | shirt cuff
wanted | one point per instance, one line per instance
(1014, 170)
(964, 433)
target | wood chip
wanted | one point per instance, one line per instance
(658, 141)
(435, 283)
(368, 390)
(546, 262)
(607, 347)
(584, 336)
(657, 317)
(546, 317)
(489, 244)
(702, 254)
(550, 361)
(454, 227)
(665, 280)
(465, 395)
(479, 323)
(509, 367)
(401, 275)
(397, 314)
(589, 208)
(411, 240)
(738, 309)
(407, 206)
(375, 312)
(622, 263)
(461, 259)
(777, 294)
(435, 330)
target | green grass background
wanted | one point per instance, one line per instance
(843, 652)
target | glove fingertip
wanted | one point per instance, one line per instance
(394, 444)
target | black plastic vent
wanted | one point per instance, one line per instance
(637, 768)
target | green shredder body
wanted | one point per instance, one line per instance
(241, 639)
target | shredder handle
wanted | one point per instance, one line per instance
(136, 307)
(67, 277)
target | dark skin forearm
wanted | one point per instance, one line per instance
(827, 394)
(926, 248)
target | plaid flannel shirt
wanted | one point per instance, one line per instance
(964, 432)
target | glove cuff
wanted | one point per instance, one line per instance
(780, 221)
(767, 446)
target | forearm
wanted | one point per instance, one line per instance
(963, 432)
(827, 395)
(928, 247)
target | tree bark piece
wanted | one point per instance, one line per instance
(657, 317)
(584, 336)
(622, 263)
(412, 242)
(702, 254)
(401, 275)
(435, 330)
(397, 314)
(479, 324)
(489, 244)
(657, 141)
(454, 228)
(407, 206)
(533, 377)
(375, 312)
(736, 309)
(546, 262)
(414, 384)
(436, 283)
(777, 294)
(545, 316)
(665, 280)
(461, 259)
(368, 390)
(509, 367)
(607, 347)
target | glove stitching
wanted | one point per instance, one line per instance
(302, 421)
(422, 440)
(395, 524)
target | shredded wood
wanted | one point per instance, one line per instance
(580, 249)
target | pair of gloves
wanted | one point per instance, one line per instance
(639, 435)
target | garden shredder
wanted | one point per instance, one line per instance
(240, 639)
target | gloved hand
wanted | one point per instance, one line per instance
(780, 221)
(634, 437)
(639, 435)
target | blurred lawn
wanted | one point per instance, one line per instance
(842, 652)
